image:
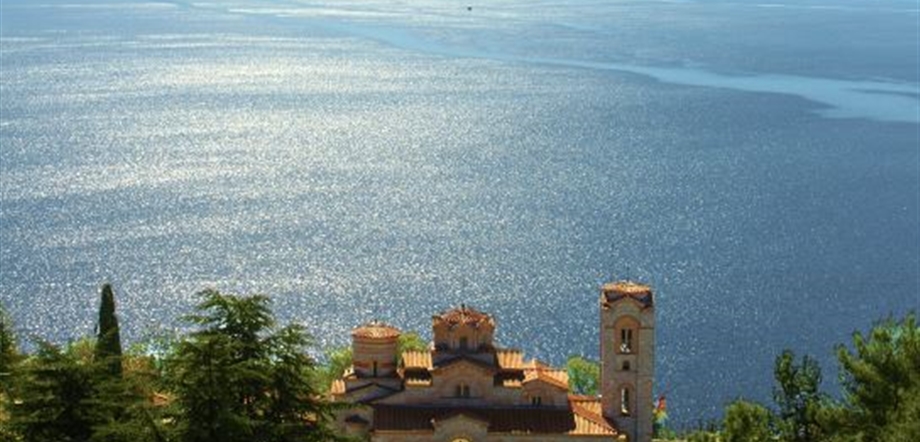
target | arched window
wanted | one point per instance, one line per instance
(626, 336)
(626, 340)
(624, 401)
(536, 400)
(464, 343)
(462, 390)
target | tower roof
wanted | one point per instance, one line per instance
(464, 315)
(376, 330)
(616, 291)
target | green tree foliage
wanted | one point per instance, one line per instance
(239, 378)
(881, 380)
(584, 375)
(9, 354)
(747, 422)
(54, 389)
(410, 341)
(9, 357)
(108, 339)
(703, 436)
(338, 360)
(798, 397)
(122, 406)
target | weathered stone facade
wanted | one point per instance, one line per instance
(465, 389)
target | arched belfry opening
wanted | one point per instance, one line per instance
(627, 342)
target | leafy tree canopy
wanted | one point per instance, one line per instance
(240, 378)
(747, 422)
(881, 380)
(584, 375)
(798, 397)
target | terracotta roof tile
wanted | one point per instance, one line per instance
(509, 359)
(588, 416)
(414, 359)
(590, 403)
(558, 378)
(376, 330)
(464, 315)
(616, 291)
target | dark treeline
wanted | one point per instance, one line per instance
(236, 376)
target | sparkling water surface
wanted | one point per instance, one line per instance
(756, 163)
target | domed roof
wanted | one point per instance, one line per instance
(376, 330)
(464, 315)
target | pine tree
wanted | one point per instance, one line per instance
(798, 397)
(881, 380)
(52, 396)
(747, 422)
(108, 340)
(9, 356)
(8, 352)
(239, 378)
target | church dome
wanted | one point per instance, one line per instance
(463, 315)
(376, 330)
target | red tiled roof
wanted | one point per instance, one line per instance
(557, 378)
(589, 418)
(414, 359)
(615, 291)
(464, 315)
(500, 419)
(376, 330)
(508, 359)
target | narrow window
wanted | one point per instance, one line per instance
(466, 390)
(536, 400)
(462, 390)
(626, 344)
(624, 401)
(464, 343)
(625, 365)
(375, 369)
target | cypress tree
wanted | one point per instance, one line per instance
(108, 341)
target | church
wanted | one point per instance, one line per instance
(466, 389)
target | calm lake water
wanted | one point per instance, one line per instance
(756, 162)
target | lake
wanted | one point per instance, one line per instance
(757, 163)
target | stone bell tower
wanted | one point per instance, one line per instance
(628, 357)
